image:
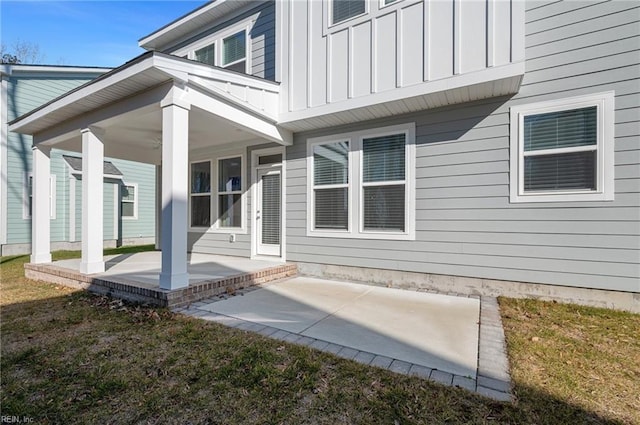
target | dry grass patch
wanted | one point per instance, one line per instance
(587, 357)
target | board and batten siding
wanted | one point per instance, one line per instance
(466, 225)
(400, 45)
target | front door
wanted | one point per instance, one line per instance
(269, 211)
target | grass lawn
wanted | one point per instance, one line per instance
(72, 357)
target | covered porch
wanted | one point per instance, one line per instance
(156, 109)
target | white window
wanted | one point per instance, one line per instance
(234, 52)
(562, 150)
(341, 10)
(230, 193)
(361, 184)
(331, 186)
(129, 201)
(200, 194)
(206, 54)
(27, 193)
(384, 183)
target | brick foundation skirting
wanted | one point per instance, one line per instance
(142, 293)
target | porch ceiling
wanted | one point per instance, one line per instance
(124, 104)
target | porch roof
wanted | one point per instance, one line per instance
(249, 102)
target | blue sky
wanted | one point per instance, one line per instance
(90, 33)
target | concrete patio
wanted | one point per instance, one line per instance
(453, 340)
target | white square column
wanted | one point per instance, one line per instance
(92, 203)
(175, 169)
(40, 206)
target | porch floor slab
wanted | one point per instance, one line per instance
(134, 277)
(430, 330)
(143, 268)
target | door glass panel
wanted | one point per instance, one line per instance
(271, 209)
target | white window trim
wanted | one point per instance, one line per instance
(246, 50)
(329, 13)
(243, 196)
(383, 3)
(605, 149)
(355, 221)
(210, 194)
(136, 194)
(255, 155)
(26, 214)
(216, 39)
(311, 187)
(409, 157)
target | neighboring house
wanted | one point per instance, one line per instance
(129, 187)
(439, 143)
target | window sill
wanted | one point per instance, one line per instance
(409, 236)
(561, 197)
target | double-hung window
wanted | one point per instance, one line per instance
(562, 150)
(384, 183)
(361, 184)
(230, 192)
(128, 201)
(331, 185)
(234, 52)
(200, 194)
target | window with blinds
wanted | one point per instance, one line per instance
(562, 150)
(383, 183)
(341, 10)
(331, 185)
(200, 194)
(271, 199)
(206, 54)
(234, 56)
(230, 192)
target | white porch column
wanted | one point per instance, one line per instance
(175, 167)
(158, 205)
(40, 207)
(92, 203)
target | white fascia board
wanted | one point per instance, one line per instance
(166, 62)
(429, 87)
(146, 42)
(89, 89)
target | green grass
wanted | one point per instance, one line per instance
(72, 357)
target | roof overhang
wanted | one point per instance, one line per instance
(202, 17)
(243, 101)
(492, 82)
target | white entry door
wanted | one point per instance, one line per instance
(269, 211)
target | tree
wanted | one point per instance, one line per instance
(21, 52)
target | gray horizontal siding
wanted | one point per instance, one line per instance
(465, 223)
(218, 244)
